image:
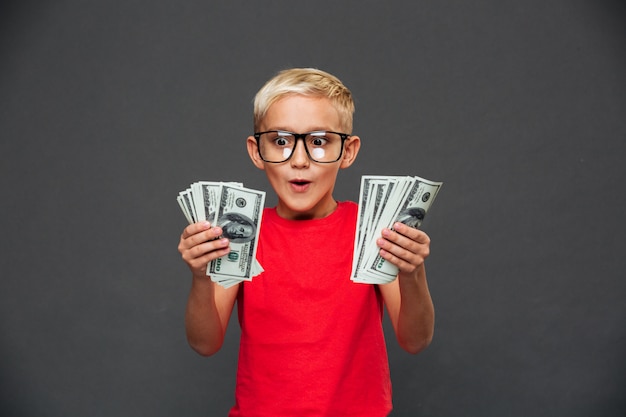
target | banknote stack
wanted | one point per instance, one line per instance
(238, 211)
(384, 200)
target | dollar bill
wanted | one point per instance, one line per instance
(382, 202)
(374, 194)
(206, 198)
(238, 211)
(239, 215)
(185, 200)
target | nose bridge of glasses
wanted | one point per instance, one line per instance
(302, 136)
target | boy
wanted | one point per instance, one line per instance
(312, 342)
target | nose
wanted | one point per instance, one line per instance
(299, 158)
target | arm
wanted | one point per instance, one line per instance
(407, 298)
(209, 305)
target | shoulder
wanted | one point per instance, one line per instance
(347, 209)
(349, 206)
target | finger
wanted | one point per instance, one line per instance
(407, 250)
(401, 240)
(202, 249)
(195, 228)
(411, 232)
(401, 263)
(199, 256)
(413, 240)
(205, 247)
(402, 248)
(201, 237)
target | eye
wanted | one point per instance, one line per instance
(318, 141)
(280, 141)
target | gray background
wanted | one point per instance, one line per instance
(108, 109)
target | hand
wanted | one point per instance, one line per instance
(199, 245)
(405, 247)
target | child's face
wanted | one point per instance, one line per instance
(304, 187)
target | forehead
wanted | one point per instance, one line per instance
(299, 113)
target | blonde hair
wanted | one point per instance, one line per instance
(306, 82)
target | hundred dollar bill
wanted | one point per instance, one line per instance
(239, 215)
(185, 200)
(204, 201)
(206, 196)
(408, 202)
(387, 193)
(374, 194)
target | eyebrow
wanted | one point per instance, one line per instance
(321, 129)
(307, 131)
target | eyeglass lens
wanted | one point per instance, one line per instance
(278, 146)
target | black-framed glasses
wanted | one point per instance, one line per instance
(277, 146)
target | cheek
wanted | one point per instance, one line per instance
(273, 175)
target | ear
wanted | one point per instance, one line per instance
(253, 151)
(350, 151)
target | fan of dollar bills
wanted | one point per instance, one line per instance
(238, 211)
(384, 200)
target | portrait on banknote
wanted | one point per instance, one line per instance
(236, 227)
(412, 216)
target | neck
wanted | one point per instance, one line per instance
(315, 213)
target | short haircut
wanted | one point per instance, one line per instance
(307, 82)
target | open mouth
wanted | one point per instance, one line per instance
(299, 185)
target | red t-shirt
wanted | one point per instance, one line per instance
(312, 342)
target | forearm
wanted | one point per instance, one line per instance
(416, 317)
(203, 324)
